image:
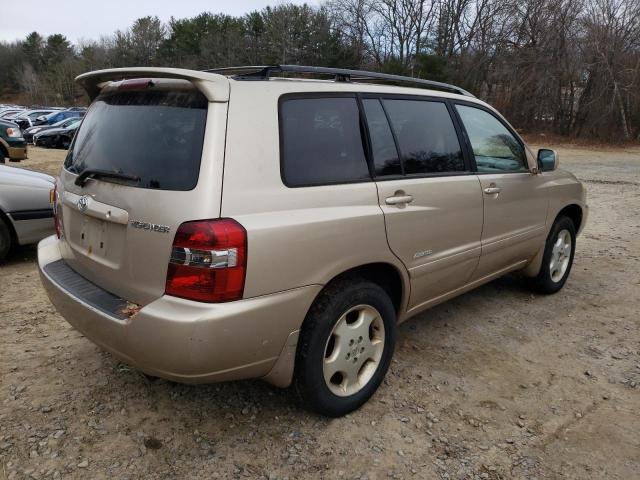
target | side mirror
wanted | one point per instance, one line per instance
(548, 160)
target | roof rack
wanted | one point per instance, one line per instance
(264, 72)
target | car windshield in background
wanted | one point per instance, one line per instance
(70, 123)
(66, 122)
(156, 136)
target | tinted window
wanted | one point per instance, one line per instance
(154, 135)
(321, 141)
(494, 147)
(426, 136)
(385, 155)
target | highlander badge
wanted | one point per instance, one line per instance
(154, 227)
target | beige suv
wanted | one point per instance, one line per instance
(224, 225)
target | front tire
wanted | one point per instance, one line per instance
(345, 346)
(558, 257)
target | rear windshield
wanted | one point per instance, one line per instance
(156, 136)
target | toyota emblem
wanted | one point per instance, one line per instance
(83, 203)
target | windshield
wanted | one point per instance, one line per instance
(154, 135)
(67, 122)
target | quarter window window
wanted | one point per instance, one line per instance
(322, 141)
(495, 149)
(427, 139)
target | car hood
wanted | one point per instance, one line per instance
(8, 124)
(20, 176)
(38, 128)
(50, 131)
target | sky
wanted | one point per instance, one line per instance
(89, 19)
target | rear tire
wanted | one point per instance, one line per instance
(557, 259)
(345, 346)
(5, 240)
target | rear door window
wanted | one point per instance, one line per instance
(156, 136)
(426, 136)
(321, 141)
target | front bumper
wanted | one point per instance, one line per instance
(32, 230)
(190, 342)
(17, 151)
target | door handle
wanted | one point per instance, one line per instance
(399, 199)
(492, 190)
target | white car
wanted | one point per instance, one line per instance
(26, 208)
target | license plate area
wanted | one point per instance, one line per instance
(92, 236)
(99, 240)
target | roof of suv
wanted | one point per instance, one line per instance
(215, 83)
(338, 74)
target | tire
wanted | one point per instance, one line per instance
(363, 352)
(5, 239)
(553, 276)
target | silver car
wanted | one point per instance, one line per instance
(26, 208)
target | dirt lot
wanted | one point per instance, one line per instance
(498, 383)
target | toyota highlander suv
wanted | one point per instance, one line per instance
(250, 223)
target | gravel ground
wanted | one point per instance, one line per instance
(497, 383)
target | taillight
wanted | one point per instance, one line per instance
(53, 198)
(208, 261)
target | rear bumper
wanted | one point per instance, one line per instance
(190, 342)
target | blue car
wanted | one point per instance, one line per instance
(56, 117)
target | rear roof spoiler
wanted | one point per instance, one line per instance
(215, 87)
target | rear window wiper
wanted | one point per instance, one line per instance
(88, 173)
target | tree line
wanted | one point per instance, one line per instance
(565, 66)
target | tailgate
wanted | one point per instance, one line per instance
(147, 157)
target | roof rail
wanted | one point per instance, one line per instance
(264, 72)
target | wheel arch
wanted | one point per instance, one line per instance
(12, 230)
(384, 274)
(574, 213)
(4, 151)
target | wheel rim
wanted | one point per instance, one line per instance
(353, 350)
(560, 256)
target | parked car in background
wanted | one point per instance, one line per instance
(26, 208)
(26, 119)
(12, 144)
(56, 137)
(10, 113)
(31, 131)
(215, 228)
(56, 117)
